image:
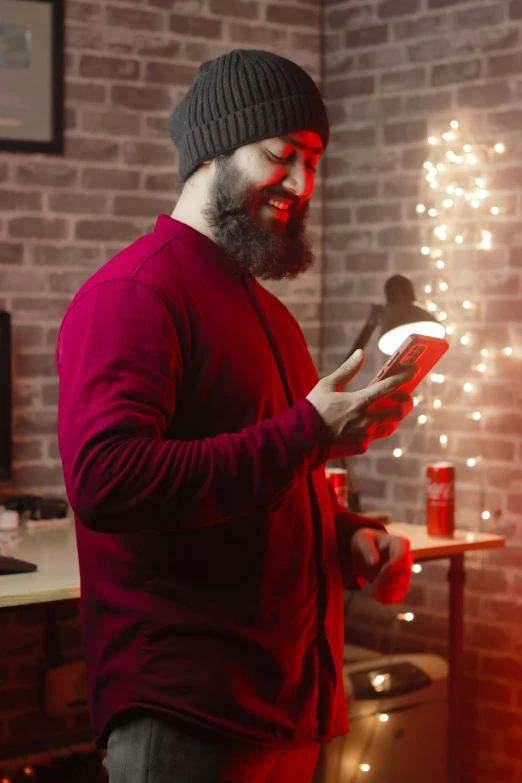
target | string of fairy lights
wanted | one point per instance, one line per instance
(455, 209)
(453, 190)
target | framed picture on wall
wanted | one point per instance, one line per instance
(31, 76)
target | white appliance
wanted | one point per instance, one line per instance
(397, 707)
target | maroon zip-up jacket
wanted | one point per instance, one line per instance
(212, 551)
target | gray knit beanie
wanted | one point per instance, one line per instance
(241, 97)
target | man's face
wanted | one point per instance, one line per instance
(263, 239)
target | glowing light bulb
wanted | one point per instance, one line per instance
(471, 462)
(475, 203)
(466, 304)
(432, 212)
(437, 253)
(397, 452)
(441, 167)
(448, 202)
(495, 210)
(425, 251)
(437, 403)
(482, 193)
(459, 239)
(416, 568)
(480, 182)
(443, 440)
(458, 191)
(477, 415)
(384, 718)
(464, 339)
(440, 264)
(408, 616)
(432, 307)
(422, 419)
(471, 158)
(448, 136)
(442, 316)
(459, 159)
(468, 387)
(507, 351)
(484, 352)
(450, 329)
(427, 164)
(499, 147)
(415, 401)
(481, 367)
(432, 140)
(421, 208)
(450, 189)
(486, 515)
(454, 124)
(427, 288)
(467, 147)
(451, 155)
(443, 286)
(364, 767)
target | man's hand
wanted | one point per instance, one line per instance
(383, 418)
(354, 419)
(384, 560)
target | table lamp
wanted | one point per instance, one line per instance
(401, 316)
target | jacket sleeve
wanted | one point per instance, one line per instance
(346, 523)
(120, 365)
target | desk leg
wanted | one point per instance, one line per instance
(456, 579)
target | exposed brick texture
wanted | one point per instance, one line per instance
(434, 62)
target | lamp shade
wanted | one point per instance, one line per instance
(404, 315)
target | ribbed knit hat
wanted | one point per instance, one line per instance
(241, 97)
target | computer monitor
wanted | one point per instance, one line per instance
(6, 446)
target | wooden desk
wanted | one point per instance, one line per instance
(58, 579)
(58, 574)
(425, 548)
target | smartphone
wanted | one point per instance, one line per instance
(417, 351)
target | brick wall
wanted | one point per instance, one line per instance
(127, 65)
(395, 72)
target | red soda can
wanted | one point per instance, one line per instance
(440, 499)
(338, 478)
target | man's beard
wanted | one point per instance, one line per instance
(265, 253)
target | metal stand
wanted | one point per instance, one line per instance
(456, 579)
(374, 319)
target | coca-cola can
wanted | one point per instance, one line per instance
(440, 499)
(338, 478)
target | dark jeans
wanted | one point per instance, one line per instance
(150, 748)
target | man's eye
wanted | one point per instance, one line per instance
(282, 160)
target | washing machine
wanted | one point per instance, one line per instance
(398, 713)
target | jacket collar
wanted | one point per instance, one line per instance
(202, 244)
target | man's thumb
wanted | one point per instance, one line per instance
(369, 551)
(347, 370)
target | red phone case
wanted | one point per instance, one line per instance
(416, 350)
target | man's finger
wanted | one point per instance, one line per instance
(386, 386)
(368, 550)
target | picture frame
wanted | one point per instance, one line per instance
(31, 76)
